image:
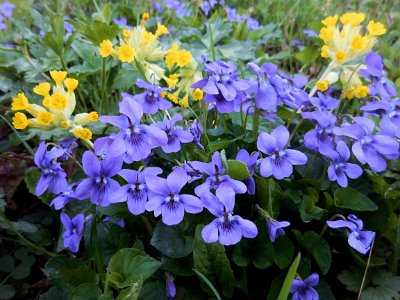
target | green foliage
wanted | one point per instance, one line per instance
(352, 199)
(131, 265)
(284, 293)
(211, 261)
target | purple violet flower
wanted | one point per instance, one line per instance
(122, 22)
(250, 161)
(193, 174)
(6, 9)
(302, 289)
(176, 135)
(165, 199)
(223, 86)
(69, 28)
(151, 100)
(64, 198)
(231, 14)
(68, 145)
(290, 89)
(227, 228)
(53, 176)
(358, 239)
(324, 101)
(73, 231)
(170, 289)
(264, 94)
(135, 192)
(280, 161)
(275, 228)
(340, 169)
(310, 33)
(120, 222)
(369, 148)
(134, 141)
(99, 186)
(321, 137)
(216, 176)
(197, 131)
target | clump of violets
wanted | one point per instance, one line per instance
(165, 198)
(53, 176)
(222, 86)
(135, 192)
(73, 230)
(227, 228)
(279, 162)
(99, 186)
(303, 289)
(360, 240)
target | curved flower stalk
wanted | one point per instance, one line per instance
(58, 104)
(345, 45)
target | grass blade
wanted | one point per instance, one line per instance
(211, 286)
(284, 293)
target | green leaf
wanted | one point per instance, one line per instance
(210, 285)
(125, 78)
(318, 247)
(97, 31)
(171, 240)
(237, 169)
(153, 291)
(284, 293)
(308, 210)
(308, 55)
(283, 250)
(210, 259)
(352, 279)
(132, 292)
(219, 144)
(386, 286)
(86, 291)
(178, 266)
(21, 271)
(353, 199)
(7, 263)
(7, 291)
(68, 273)
(241, 252)
(130, 265)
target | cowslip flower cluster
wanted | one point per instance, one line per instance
(345, 44)
(58, 104)
(142, 48)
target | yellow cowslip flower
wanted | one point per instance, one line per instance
(57, 101)
(353, 19)
(322, 85)
(147, 37)
(198, 94)
(20, 121)
(173, 97)
(184, 102)
(376, 28)
(83, 133)
(184, 58)
(359, 42)
(330, 21)
(172, 80)
(20, 102)
(64, 124)
(325, 51)
(171, 57)
(45, 118)
(42, 89)
(327, 33)
(126, 53)
(361, 91)
(145, 17)
(161, 29)
(127, 33)
(349, 94)
(106, 48)
(93, 116)
(71, 84)
(58, 76)
(340, 56)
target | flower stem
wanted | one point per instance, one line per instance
(366, 270)
(330, 67)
